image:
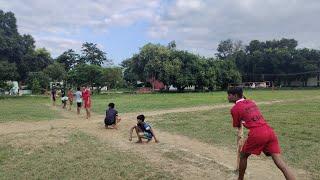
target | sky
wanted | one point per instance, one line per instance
(121, 27)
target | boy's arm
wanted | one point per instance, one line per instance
(154, 136)
(239, 143)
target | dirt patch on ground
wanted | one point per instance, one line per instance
(36, 140)
(186, 158)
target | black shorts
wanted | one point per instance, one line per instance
(53, 96)
(109, 123)
(79, 104)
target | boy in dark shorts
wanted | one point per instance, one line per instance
(112, 119)
(143, 130)
(78, 100)
(53, 95)
(261, 137)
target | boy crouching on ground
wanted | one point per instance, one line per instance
(112, 119)
(143, 130)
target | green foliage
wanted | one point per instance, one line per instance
(69, 59)
(20, 49)
(38, 82)
(86, 74)
(112, 77)
(55, 71)
(266, 60)
(178, 68)
(8, 71)
(93, 55)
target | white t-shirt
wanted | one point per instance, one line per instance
(78, 96)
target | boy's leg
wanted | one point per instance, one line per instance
(138, 131)
(70, 105)
(88, 113)
(282, 166)
(243, 164)
(78, 108)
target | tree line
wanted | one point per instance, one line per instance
(21, 60)
(279, 61)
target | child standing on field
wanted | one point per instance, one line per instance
(261, 137)
(78, 100)
(112, 119)
(64, 99)
(143, 130)
(70, 98)
(86, 96)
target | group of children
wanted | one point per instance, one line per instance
(261, 137)
(82, 96)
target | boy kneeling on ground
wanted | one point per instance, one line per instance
(112, 119)
(143, 130)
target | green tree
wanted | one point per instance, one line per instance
(227, 72)
(55, 72)
(93, 55)
(8, 71)
(38, 82)
(69, 59)
(112, 77)
(86, 74)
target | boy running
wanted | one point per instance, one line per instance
(143, 130)
(78, 99)
(112, 119)
(261, 137)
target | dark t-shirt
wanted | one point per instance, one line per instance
(111, 115)
(145, 127)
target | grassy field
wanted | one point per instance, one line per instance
(69, 155)
(26, 108)
(40, 155)
(37, 108)
(296, 123)
(146, 102)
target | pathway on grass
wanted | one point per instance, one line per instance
(187, 158)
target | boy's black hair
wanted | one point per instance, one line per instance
(236, 91)
(141, 117)
(78, 88)
(111, 105)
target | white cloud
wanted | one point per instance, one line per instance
(50, 22)
(61, 16)
(197, 25)
(201, 25)
(57, 45)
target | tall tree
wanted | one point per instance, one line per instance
(69, 59)
(55, 72)
(93, 55)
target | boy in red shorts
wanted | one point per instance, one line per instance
(86, 96)
(261, 137)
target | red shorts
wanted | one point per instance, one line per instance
(261, 139)
(87, 104)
